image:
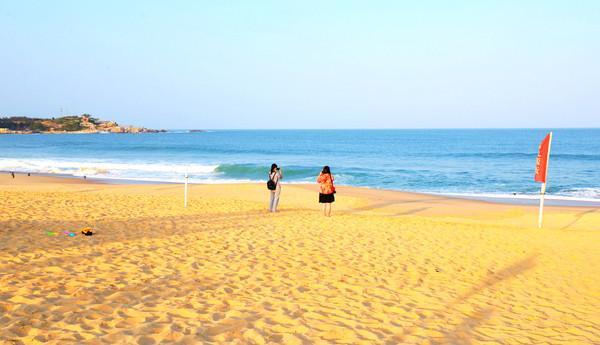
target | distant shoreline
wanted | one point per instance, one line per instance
(4, 131)
(72, 124)
(500, 199)
(82, 132)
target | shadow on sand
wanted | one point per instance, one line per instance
(578, 217)
(463, 332)
(372, 207)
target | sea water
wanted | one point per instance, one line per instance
(470, 162)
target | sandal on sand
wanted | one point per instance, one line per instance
(87, 231)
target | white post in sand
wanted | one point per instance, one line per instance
(185, 191)
(543, 189)
(541, 215)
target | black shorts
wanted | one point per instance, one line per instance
(326, 198)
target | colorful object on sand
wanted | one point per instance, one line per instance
(50, 233)
(71, 234)
(87, 231)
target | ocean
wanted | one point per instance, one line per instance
(479, 163)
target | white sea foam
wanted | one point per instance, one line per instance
(586, 193)
(181, 179)
(209, 174)
(158, 171)
(561, 196)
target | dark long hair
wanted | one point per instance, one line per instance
(273, 167)
(326, 170)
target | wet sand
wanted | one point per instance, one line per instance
(387, 268)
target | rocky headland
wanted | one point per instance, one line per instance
(67, 124)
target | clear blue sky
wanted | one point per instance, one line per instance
(322, 64)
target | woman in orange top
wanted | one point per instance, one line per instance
(326, 195)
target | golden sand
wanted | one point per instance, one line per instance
(387, 268)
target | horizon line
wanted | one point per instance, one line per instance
(377, 129)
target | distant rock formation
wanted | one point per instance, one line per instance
(66, 124)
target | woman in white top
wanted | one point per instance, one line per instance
(275, 175)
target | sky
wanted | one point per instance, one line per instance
(304, 64)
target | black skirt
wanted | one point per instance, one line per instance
(326, 198)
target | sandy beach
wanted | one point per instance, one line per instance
(387, 268)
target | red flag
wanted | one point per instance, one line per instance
(541, 164)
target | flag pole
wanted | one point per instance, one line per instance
(541, 214)
(543, 189)
(185, 191)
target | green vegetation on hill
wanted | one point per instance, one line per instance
(69, 123)
(83, 124)
(22, 123)
(65, 123)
